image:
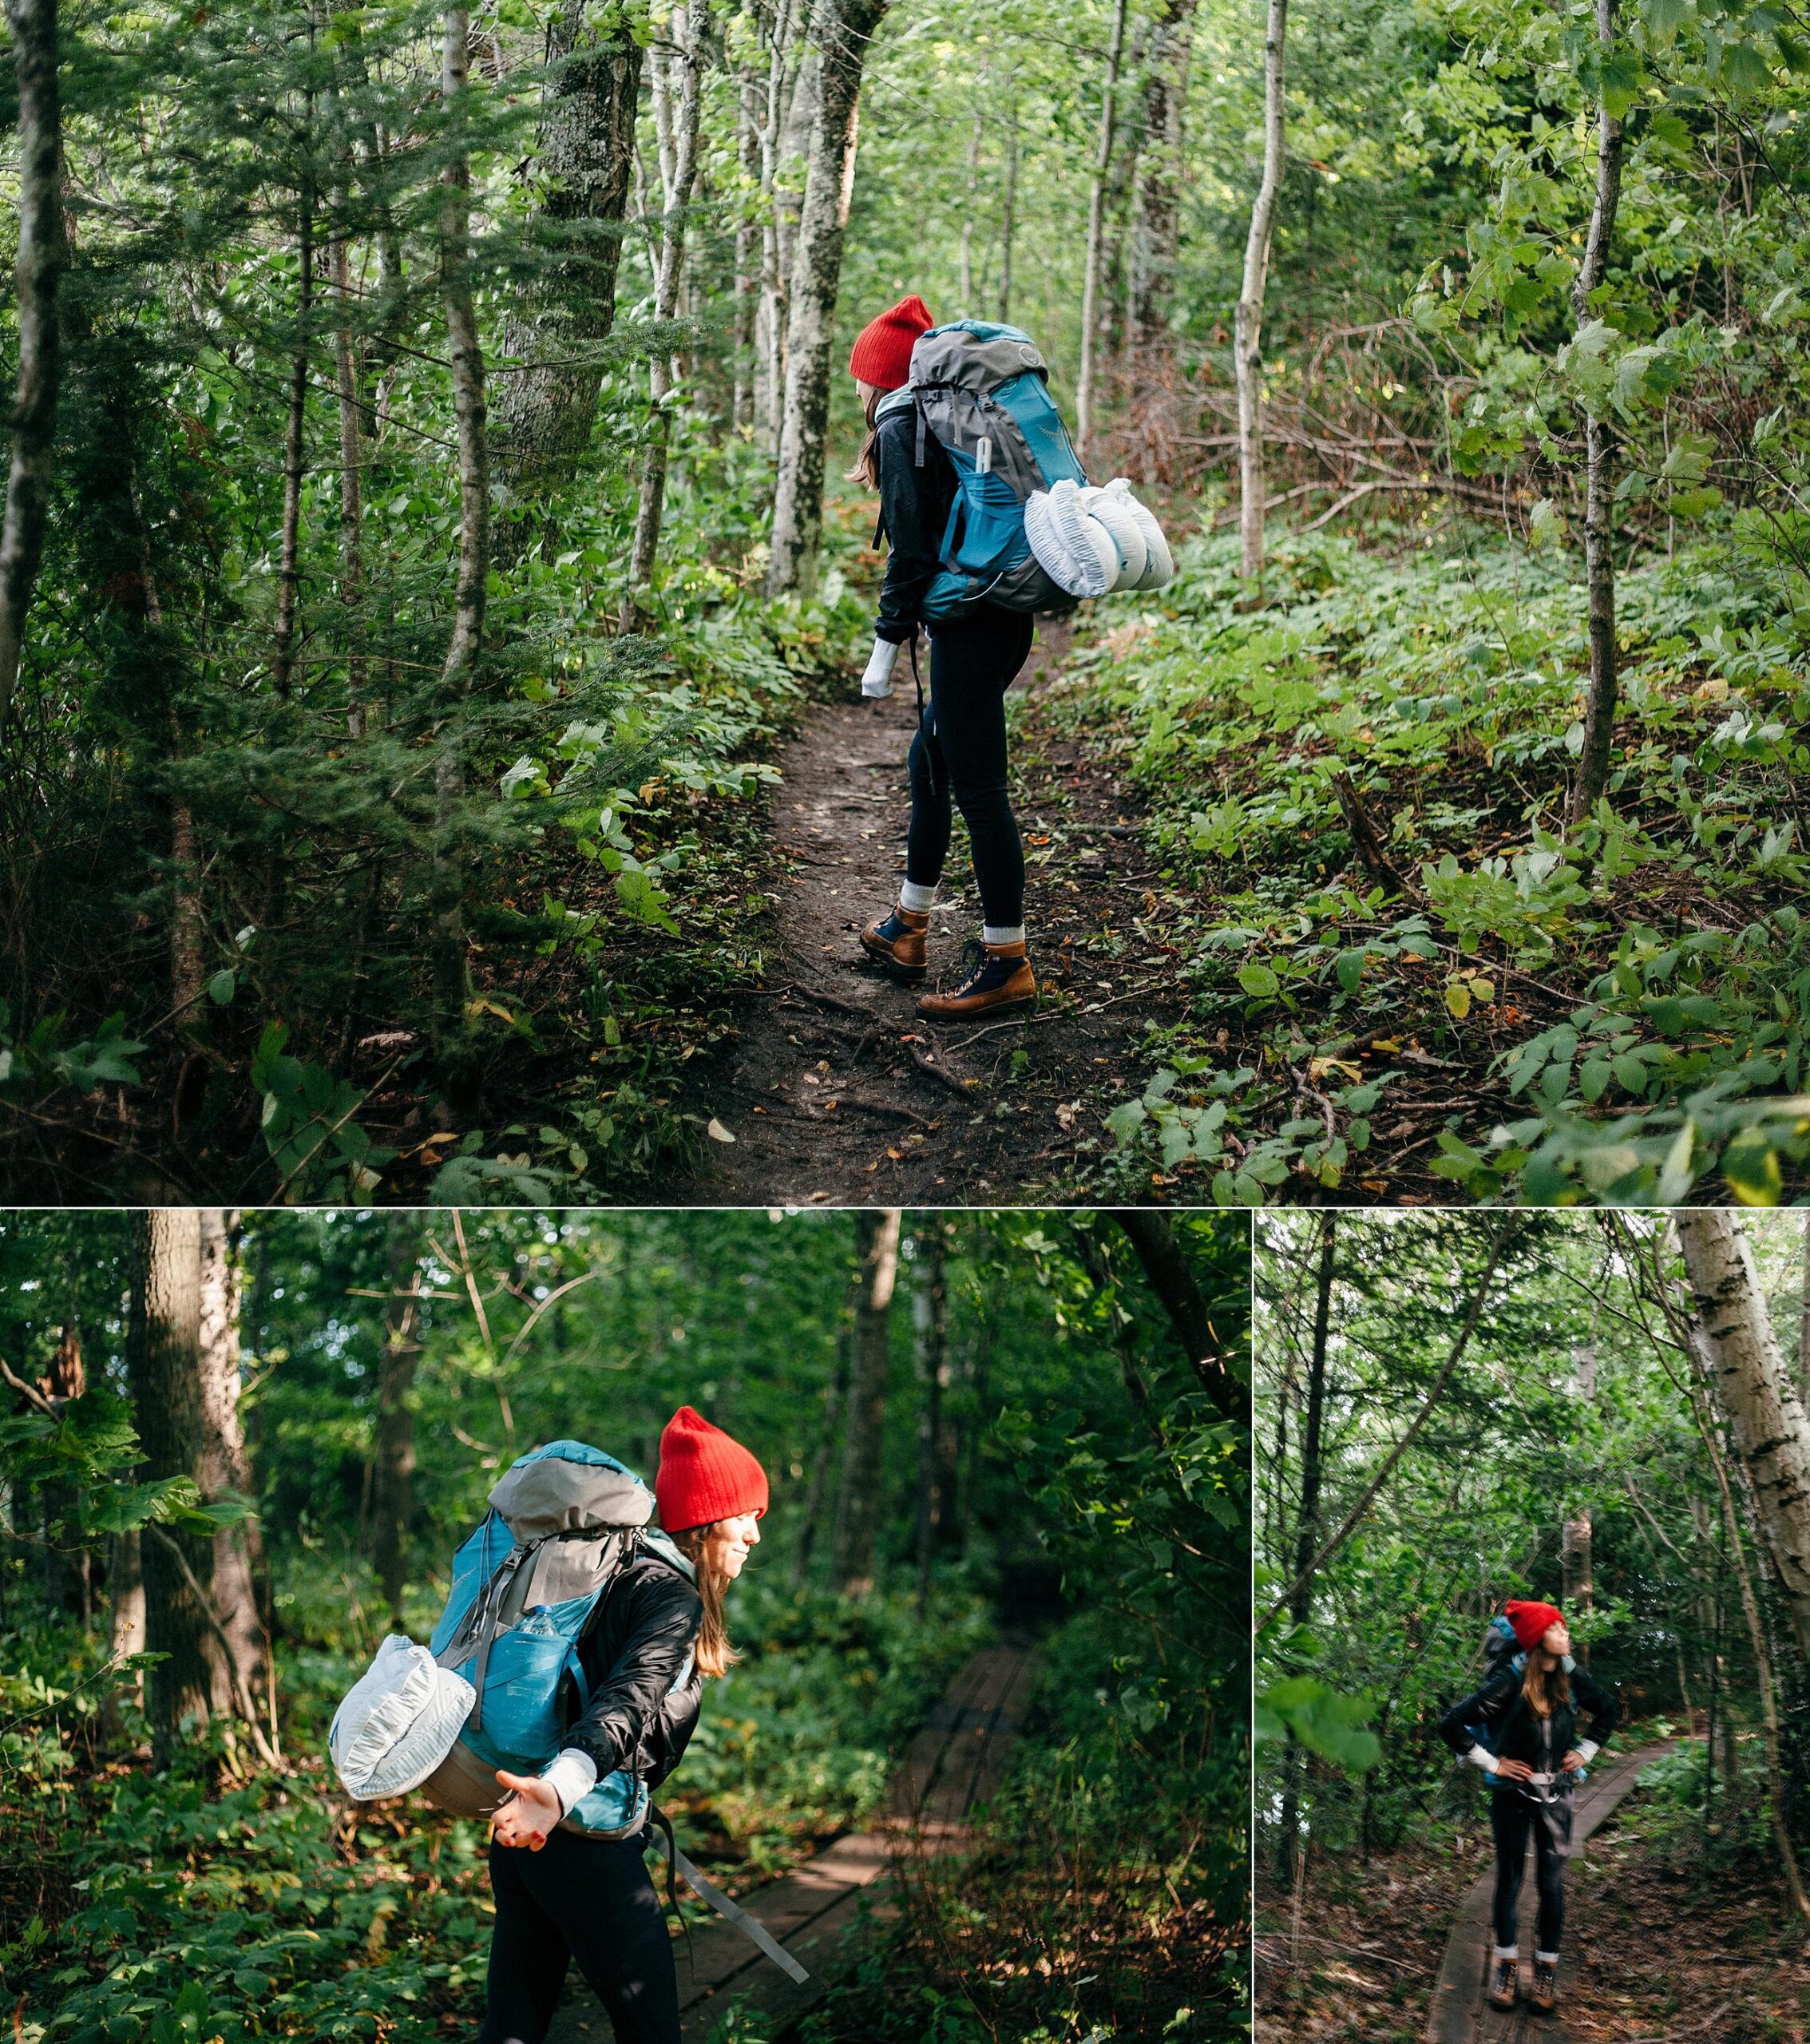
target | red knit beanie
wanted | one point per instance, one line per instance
(882, 350)
(1530, 1622)
(704, 1475)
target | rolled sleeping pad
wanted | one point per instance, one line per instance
(1159, 563)
(1075, 551)
(1111, 507)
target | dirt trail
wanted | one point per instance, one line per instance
(1459, 2014)
(958, 1761)
(834, 1091)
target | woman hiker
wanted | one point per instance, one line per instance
(960, 747)
(652, 1638)
(1529, 1705)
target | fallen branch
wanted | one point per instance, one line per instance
(1366, 840)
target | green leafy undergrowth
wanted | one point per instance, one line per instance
(217, 1899)
(1491, 1006)
(1104, 1893)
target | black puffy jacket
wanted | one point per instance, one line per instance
(1519, 1732)
(637, 1639)
(914, 513)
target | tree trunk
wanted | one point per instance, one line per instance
(791, 104)
(546, 407)
(163, 1365)
(347, 375)
(842, 30)
(1575, 1563)
(1008, 204)
(929, 1317)
(1756, 1393)
(858, 1503)
(42, 252)
(466, 643)
(1247, 339)
(241, 1639)
(1156, 215)
(289, 549)
(1166, 1264)
(394, 1461)
(823, 1462)
(1599, 477)
(1804, 1320)
(1096, 227)
(687, 59)
(1307, 1529)
(1756, 1636)
(747, 246)
(66, 1560)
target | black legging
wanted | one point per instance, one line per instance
(588, 1899)
(1511, 1816)
(959, 750)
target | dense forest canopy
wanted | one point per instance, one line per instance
(1591, 1448)
(242, 1451)
(444, 520)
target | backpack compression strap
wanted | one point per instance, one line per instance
(733, 1912)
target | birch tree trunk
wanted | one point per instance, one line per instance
(448, 935)
(545, 409)
(748, 93)
(841, 31)
(1599, 476)
(1247, 338)
(347, 377)
(858, 1503)
(1804, 1320)
(679, 171)
(164, 1366)
(1096, 228)
(394, 1461)
(42, 252)
(791, 103)
(1755, 1392)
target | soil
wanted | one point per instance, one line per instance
(1664, 1950)
(832, 1088)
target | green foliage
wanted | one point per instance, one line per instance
(1665, 932)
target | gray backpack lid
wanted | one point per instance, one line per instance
(568, 1487)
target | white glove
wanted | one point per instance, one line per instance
(877, 678)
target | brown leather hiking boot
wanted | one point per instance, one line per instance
(1546, 1986)
(1504, 1978)
(998, 978)
(897, 940)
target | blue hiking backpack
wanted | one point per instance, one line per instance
(982, 389)
(563, 1522)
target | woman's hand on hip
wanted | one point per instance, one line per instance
(1510, 1770)
(531, 1813)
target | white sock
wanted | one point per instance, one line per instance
(1508, 1952)
(920, 901)
(999, 933)
(1546, 1958)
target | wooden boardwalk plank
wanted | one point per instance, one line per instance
(1458, 2014)
(956, 1761)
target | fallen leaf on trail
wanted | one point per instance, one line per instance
(717, 1132)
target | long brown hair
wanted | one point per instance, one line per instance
(866, 469)
(1542, 1686)
(714, 1655)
